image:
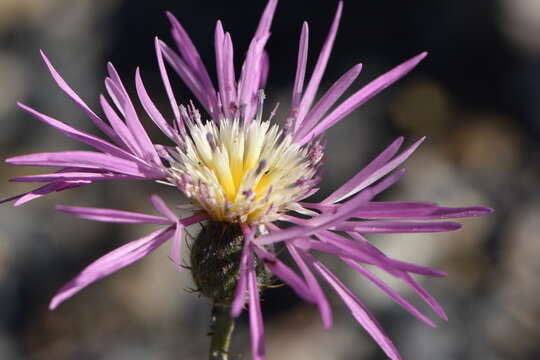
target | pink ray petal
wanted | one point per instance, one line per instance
(112, 262)
(359, 311)
(114, 216)
(320, 67)
(362, 96)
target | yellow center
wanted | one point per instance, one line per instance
(242, 173)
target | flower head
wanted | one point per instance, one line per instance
(247, 177)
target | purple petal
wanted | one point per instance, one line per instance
(359, 311)
(370, 174)
(379, 227)
(114, 216)
(228, 80)
(112, 262)
(266, 19)
(286, 274)
(256, 325)
(363, 95)
(328, 99)
(74, 176)
(176, 246)
(322, 302)
(322, 221)
(162, 208)
(151, 108)
(194, 62)
(374, 165)
(186, 74)
(320, 67)
(166, 81)
(300, 70)
(245, 263)
(389, 291)
(430, 300)
(83, 137)
(132, 120)
(119, 126)
(73, 96)
(43, 190)
(83, 159)
(417, 211)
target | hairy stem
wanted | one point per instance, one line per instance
(221, 331)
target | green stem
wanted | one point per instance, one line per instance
(221, 331)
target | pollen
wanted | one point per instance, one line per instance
(243, 173)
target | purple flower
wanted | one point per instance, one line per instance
(238, 168)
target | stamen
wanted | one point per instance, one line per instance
(239, 172)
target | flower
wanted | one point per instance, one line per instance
(246, 177)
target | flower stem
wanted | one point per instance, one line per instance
(221, 331)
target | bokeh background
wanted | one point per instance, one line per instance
(476, 97)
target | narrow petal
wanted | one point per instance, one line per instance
(363, 95)
(77, 100)
(430, 300)
(83, 159)
(151, 108)
(320, 67)
(186, 74)
(359, 311)
(379, 227)
(81, 136)
(286, 274)
(176, 246)
(112, 262)
(322, 302)
(75, 176)
(119, 127)
(300, 70)
(328, 100)
(114, 216)
(166, 81)
(374, 171)
(246, 260)
(43, 190)
(389, 291)
(320, 222)
(162, 208)
(256, 325)
(417, 211)
(132, 120)
(192, 58)
(266, 19)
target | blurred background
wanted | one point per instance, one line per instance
(476, 97)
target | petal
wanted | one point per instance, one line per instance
(111, 215)
(285, 273)
(256, 325)
(241, 285)
(81, 136)
(162, 208)
(328, 100)
(359, 311)
(112, 262)
(320, 67)
(77, 100)
(374, 171)
(166, 81)
(151, 108)
(82, 159)
(362, 96)
(379, 227)
(322, 302)
(300, 70)
(389, 291)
